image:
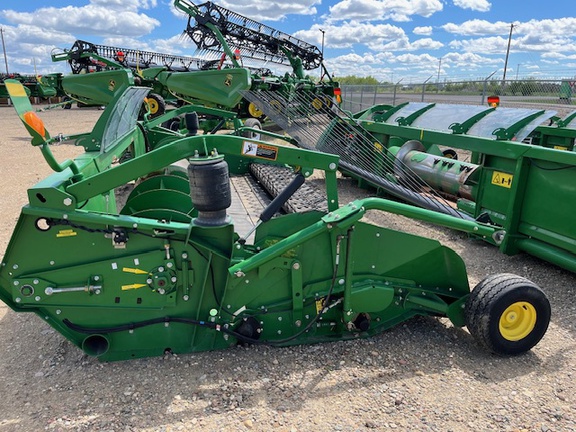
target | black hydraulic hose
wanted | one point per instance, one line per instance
(276, 203)
(132, 326)
(282, 197)
(217, 327)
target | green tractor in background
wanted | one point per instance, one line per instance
(35, 86)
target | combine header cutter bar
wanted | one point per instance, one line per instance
(86, 57)
(214, 28)
(107, 75)
(411, 150)
(123, 286)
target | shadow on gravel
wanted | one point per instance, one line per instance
(71, 391)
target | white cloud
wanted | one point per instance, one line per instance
(477, 5)
(123, 5)
(383, 66)
(423, 31)
(558, 56)
(478, 27)
(371, 10)
(270, 10)
(33, 36)
(92, 19)
(565, 27)
(348, 34)
(488, 45)
(404, 44)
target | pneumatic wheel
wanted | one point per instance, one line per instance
(507, 314)
(254, 111)
(156, 105)
(69, 104)
(254, 124)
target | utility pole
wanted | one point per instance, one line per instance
(4, 49)
(438, 79)
(322, 52)
(507, 53)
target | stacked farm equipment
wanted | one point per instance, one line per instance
(170, 272)
(228, 45)
(34, 86)
(101, 72)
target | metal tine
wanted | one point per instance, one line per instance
(297, 115)
(148, 58)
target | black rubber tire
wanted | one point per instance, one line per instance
(491, 298)
(254, 124)
(68, 105)
(156, 105)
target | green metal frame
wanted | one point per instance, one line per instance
(137, 286)
(525, 189)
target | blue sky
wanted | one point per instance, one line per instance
(390, 40)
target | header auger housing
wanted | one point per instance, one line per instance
(172, 273)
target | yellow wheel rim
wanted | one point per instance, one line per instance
(152, 105)
(517, 321)
(276, 106)
(254, 111)
(317, 103)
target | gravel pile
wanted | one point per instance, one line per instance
(423, 375)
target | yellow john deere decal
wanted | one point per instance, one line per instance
(66, 233)
(502, 179)
(560, 147)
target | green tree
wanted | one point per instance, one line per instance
(355, 80)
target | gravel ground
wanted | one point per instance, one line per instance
(423, 375)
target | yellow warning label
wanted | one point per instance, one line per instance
(66, 233)
(16, 90)
(502, 179)
(132, 286)
(560, 147)
(319, 304)
(262, 151)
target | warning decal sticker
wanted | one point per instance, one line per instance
(502, 179)
(259, 150)
(66, 233)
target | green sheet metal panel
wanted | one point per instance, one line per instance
(547, 211)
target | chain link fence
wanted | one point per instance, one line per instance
(545, 94)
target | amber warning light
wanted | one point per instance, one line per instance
(338, 94)
(493, 101)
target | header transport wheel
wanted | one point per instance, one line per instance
(507, 314)
(254, 124)
(156, 105)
